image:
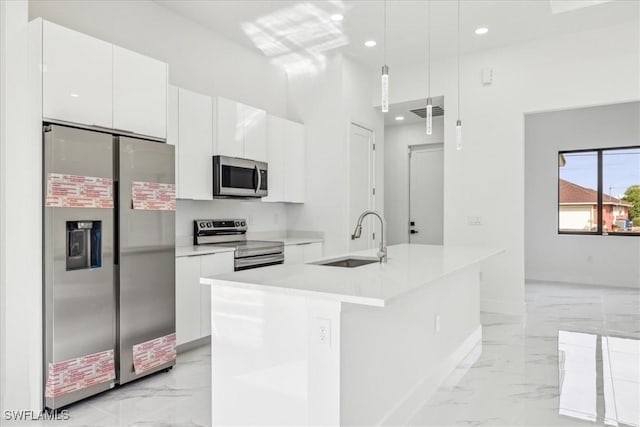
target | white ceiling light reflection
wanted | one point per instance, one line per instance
(579, 373)
(297, 36)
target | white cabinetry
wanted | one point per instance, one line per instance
(211, 265)
(195, 136)
(91, 82)
(286, 158)
(139, 93)
(240, 130)
(187, 299)
(193, 301)
(76, 77)
(302, 252)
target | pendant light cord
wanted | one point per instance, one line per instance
(429, 49)
(384, 47)
(458, 59)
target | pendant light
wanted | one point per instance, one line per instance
(429, 102)
(459, 122)
(385, 67)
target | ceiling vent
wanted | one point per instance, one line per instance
(422, 112)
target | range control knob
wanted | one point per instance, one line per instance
(202, 225)
(237, 223)
(243, 223)
(210, 224)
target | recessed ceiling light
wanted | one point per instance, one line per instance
(482, 30)
(370, 43)
(399, 118)
(337, 17)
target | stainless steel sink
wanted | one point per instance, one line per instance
(348, 262)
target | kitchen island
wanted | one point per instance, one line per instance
(312, 344)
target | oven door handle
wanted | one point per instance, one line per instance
(258, 261)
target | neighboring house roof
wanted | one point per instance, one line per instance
(574, 194)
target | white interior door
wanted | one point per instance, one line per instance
(426, 194)
(361, 185)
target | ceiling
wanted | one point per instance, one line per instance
(294, 30)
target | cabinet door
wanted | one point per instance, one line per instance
(254, 123)
(228, 128)
(311, 251)
(276, 134)
(211, 265)
(293, 254)
(76, 77)
(187, 299)
(172, 130)
(295, 157)
(139, 93)
(195, 136)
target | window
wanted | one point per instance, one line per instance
(599, 191)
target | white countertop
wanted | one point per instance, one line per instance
(193, 250)
(288, 241)
(408, 267)
(200, 250)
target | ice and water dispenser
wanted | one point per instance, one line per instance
(84, 245)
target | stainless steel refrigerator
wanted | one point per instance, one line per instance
(109, 261)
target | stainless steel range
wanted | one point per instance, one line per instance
(232, 233)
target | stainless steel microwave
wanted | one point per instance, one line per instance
(234, 177)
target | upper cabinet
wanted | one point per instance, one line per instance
(240, 130)
(139, 93)
(76, 77)
(194, 144)
(286, 159)
(91, 82)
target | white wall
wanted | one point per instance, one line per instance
(601, 260)
(327, 103)
(261, 216)
(486, 178)
(398, 139)
(20, 219)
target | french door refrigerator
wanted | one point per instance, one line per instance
(109, 261)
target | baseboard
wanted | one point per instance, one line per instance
(516, 308)
(410, 404)
(200, 342)
(561, 282)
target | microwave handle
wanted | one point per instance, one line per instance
(259, 184)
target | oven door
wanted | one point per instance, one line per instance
(233, 177)
(258, 261)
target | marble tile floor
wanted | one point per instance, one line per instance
(573, 360)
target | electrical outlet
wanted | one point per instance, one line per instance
(474, 220)
(323, 331)
(436, 323)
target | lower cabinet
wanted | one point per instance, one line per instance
(303, 252)
(193, 301)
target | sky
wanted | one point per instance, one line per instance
(621, 169)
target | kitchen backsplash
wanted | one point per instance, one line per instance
(261, 217)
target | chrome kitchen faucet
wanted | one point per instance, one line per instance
(382, 252)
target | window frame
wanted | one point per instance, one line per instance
(599, 204)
